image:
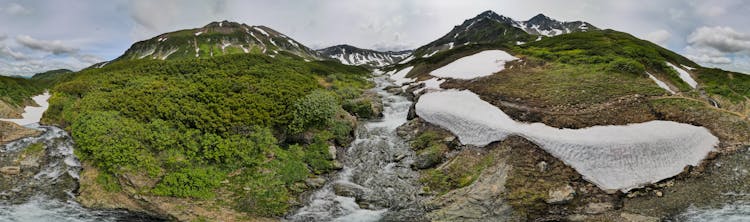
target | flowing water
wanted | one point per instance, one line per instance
(44, 189)
(376, 182)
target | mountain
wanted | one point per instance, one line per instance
(215, 39)
(491, 77)
(490, 27)
(50, 74)
(546, 26)
(351, 55)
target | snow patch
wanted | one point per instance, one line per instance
(198, 33)
(400, 77)
(431, 54)
(261, 31)
(32, 114)
(685, 76)
(406, 60)
(661, 84)
(612, 157)
(170, 52)
(450, 46)
(481, 64)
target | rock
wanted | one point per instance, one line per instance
(337, 165)
(10, 170)
(315, 182)
(424, 161)
(542, 166)
(658, 193)
(561, 195)
(332, 152)
(598, 208)
(577, 217)
(400, 157)
(412, 112)
(347, 189)
(638, 218)
(396, 90)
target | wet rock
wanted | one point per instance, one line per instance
(638, 218)
(394, 90)
(348, 190)
(10, 170)
(316, 182)
(561, 195)
(412, 112)
(332, 152)
(336, 165)
(598, 208)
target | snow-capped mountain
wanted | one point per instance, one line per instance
(218, 38)
(351, 55)
(546, 26)
(489, 27)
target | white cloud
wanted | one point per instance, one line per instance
(15, 9)
(659, 36)
(724, 39)
(7, 52)
(56, 47)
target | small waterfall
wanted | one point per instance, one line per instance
(376, 183)
(45, 188)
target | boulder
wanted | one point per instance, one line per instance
(332, 152)
(347, 189)
(315, 182)
(598, 208)
(561, 195)
(10, 170)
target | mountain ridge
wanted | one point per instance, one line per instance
(352, 55)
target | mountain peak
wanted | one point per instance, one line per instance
(540, 17)
(224, 24)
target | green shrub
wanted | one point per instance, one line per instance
(190, 182)
(624, 65)
(315, 110)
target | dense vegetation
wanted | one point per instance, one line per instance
(199, 127)
(15, 90)
(734, 86)
(623, 52)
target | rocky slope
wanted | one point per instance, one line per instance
(490, 27)
(351, 55)
(582, 79)
(215, 39)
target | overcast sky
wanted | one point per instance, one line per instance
(39, 35)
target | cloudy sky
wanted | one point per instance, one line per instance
(38, 35)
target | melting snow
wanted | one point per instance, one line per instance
(431, 54)
(198, 33)
(293, 43)
(685, 76)
(261, 31)
(400, 76)
(450, 46)
(481, 64)
(406, 60)
(32, 114)
(660, 83)
(612, 157)
(688, 67)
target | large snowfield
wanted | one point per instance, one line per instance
(32, 114)
(614, 158)
(481, 64)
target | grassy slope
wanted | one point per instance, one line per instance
(214, 130)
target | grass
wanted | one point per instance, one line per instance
(555, 84)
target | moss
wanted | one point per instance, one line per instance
(33, 149)
(108, 182)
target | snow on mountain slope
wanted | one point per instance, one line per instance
(474, 66)
(684, 75)
(215, 39)
(351, 55)
(660, 83)
(489, 27)
(612, 157)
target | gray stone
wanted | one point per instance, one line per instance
(10, 170)
(638, 218)
(561, 195)
(315, 182)
(348, 190)
(598, 208)
(332, 152)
